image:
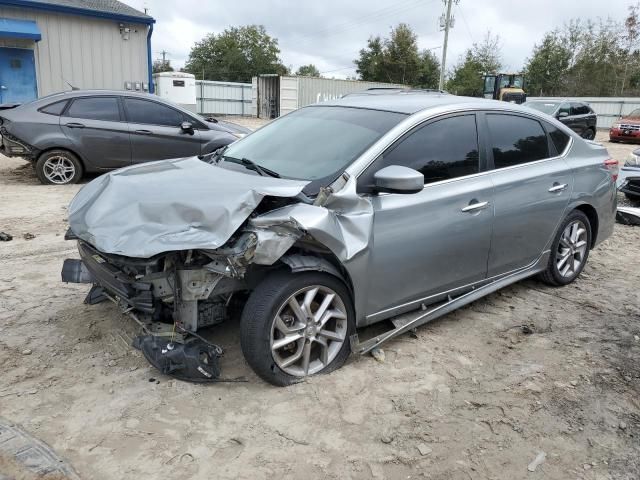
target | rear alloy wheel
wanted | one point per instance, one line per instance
(296, 325)
(569, 251)
(589, 134)
(58, 167)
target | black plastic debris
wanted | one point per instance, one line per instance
(192, 361)
(5, 237)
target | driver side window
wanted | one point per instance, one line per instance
(440, 150)
(566, 108)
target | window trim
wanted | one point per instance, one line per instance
(491, 164)
(65, 112)
(483, 165)
(124, 105)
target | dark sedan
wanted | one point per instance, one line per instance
(70, 133)
(578, 116)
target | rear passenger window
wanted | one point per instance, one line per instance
(516, 140)
(95, 108)
(558, 137)
(441, 150)
(152, 113)
(55, 108)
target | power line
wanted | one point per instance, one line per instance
(458, 9)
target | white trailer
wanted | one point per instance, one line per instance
(177, 87)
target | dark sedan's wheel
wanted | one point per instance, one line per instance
(295, 325)
(589, 134)
(569, 251)
(58, 167)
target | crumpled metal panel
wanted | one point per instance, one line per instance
(343, 223)
(181, 204)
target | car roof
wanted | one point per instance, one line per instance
(410, 101)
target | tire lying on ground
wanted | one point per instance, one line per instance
(297, 324)
(58, 167)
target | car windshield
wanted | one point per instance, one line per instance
(314, 143)
(635, 113)
(544, 107)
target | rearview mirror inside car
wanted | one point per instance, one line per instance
(187, 127)
(398, 179)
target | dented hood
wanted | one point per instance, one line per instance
(181, 204)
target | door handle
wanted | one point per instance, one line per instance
(472, 207)
(74, 125)
(143, 132)
(557, 187)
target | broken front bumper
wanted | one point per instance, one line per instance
(93, 268)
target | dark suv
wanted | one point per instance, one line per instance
(67, 134)
(578, 116)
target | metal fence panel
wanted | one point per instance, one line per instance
(314, 89)
(608, 109)
(223, 98)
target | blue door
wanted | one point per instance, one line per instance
(17, 75)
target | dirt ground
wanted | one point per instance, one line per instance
(469, 397)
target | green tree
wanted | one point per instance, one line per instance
(480, 59)
(308, 71)
(162, 66)
(236, 55)
(370, 65)
(397, 60)
(546, 70)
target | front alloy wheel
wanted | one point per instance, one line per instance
(295, 325)
(308, 331)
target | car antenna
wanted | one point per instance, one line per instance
(69, 83)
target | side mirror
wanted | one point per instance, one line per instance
(398, 179)
(563, 114)
(187, 127)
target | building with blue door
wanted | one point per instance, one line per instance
(47, 46)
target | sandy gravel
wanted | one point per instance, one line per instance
(469, 397)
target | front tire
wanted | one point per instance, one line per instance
(58, 167)
(295, 325)
(569, 250)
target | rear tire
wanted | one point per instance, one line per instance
(58, 167)
(569, 250)
(318, 330)
(589, 134)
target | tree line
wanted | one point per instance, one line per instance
(582, 58)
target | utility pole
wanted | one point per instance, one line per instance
(446, 22)
(164, 56)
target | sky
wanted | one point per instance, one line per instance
(330, 33)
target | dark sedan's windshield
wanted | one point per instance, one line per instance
(314, 143)
(544, 107)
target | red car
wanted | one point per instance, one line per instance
(626, 128)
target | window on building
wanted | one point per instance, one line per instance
(95, 108)
(152, 113)
(516, 140)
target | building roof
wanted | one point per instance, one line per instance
(96, 8)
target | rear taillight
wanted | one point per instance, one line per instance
(612, 165)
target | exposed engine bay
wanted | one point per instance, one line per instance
(158, 272)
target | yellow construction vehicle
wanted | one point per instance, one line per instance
(508, 87)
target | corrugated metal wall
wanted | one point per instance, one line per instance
(608, 109)
(313, 89)
(84, 51)
(225, 98)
